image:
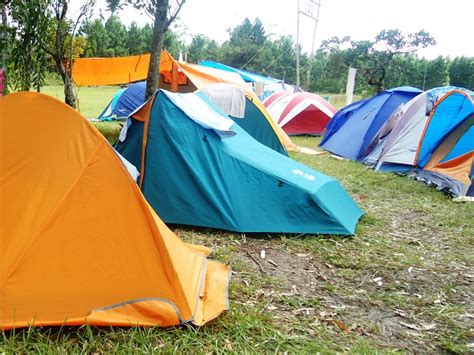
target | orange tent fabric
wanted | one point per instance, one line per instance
(190, 77)
(78, 242)
(458, 168)
(110, 71)
(123, 70)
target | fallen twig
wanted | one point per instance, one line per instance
(256, 262)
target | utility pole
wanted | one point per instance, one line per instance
(309, 12)
(298, 45)
(311, 58)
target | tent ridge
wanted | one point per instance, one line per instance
(20, 257)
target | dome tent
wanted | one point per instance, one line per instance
(352, 129)
(397, 149)
(300, 113)
(66, 263)
(447, 144)
(200, 168)
(124, 102)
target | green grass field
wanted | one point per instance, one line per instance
(404, 283)
(92, 100)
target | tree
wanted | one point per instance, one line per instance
(5, 38)
(163, 14)
(117, 37)
(280, 60)
(61, 30)
(28, 58)
(461, 72)
(172, 43)
(245, 46)
(146, 36)
(373, 58)
(203, 48)
(436, 73)
(97, 38)
(324, 80)
(406, 70)
(134, 39)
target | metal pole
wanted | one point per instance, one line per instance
(298, 46)
(311, 58)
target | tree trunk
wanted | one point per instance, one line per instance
(57, 53)
(152, 80)
(69, 96)
(5, 51)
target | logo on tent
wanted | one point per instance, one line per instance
(303, 174)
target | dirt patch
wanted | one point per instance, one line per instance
(299, 288)
(295, 271)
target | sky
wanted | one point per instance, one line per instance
(449, 22)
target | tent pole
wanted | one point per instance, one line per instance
(174, 78)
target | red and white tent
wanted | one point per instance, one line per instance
(300, 113)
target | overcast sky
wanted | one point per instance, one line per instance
(450, 22)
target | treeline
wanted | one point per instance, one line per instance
(111, 38)
(250, 47)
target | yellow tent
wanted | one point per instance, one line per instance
(78, 242)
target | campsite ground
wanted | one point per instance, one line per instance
(403, 283)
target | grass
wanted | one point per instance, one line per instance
(402, 284)
(92, 100)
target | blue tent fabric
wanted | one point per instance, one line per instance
(353, 128)
(192, 176)
(132, 98)
(464, 145)
(245, 75)
(449, 114)
(340, 118)
(107, 114)
(125, 101)
(441, 182)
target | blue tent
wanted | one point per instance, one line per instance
(352, 129)
(453, 112)
(446, 150)
(246, 75)
(202, 169)
(271, 85)
(124, 102)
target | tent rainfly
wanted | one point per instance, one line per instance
(79, 243)
(200, 168)
(352, 130)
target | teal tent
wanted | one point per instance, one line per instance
(246, 111)
(202, 169)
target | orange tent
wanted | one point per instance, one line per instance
(78, 242)
(174, 76)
